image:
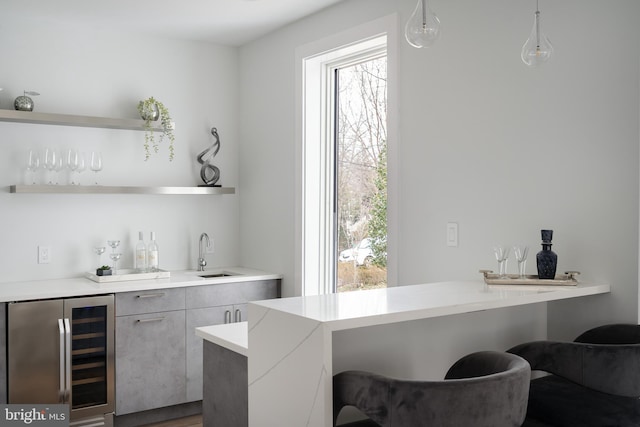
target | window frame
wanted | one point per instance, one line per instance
(315, 245)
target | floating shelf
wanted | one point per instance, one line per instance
(104, 189)
(72, 120)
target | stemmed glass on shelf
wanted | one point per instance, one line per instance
(96, 163)
(82, 165)
(50, 159)
(59, 166)
(72, 163)
(33, 163)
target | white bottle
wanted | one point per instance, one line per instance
(141, 255)
(152, 254)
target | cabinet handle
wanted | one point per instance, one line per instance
(227, 316)
(67, 346)
(62, 388)
(155, 319)
(161, 294)
(238, 315)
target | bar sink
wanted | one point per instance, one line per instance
(210, 275)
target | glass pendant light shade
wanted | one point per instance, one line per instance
(423, 27)
(537, 49)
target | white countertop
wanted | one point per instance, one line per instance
(232, 336)
(380, 306)
(63, 288)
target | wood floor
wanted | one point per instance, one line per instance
(192, 421)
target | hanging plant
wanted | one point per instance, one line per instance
(151, 110)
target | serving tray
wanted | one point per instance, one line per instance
(128, 274)
(566, 279)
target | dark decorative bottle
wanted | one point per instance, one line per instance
(546, 259)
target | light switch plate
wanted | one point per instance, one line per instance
(452, 234)
(44, 254)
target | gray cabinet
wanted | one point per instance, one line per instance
(150, 350)
(158, 355)
(213, 305)
(151, 301)
(196, 318)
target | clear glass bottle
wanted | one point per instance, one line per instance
(152, 254)
(141, 255)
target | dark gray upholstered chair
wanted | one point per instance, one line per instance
(484, 389)
(595, 380)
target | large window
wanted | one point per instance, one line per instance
(361, 178)
(343, 153)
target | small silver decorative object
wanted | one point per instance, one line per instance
(209, 173)
(23, 102)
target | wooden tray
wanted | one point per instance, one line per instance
(566, 279)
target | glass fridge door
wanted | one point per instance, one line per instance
(91, 369)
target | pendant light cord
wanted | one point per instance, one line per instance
(537, 26)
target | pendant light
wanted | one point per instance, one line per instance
(537, 49)
(423, 27)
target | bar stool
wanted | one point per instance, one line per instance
(483, 389)
(595, 380)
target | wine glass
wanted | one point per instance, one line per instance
(99, 250)
(59, 166)
(50, 162)
(33, 163)
(502, 256)
(114, 244)
(521, 252)
(96, 163)
(82, 165)
(72, 163)
(115, 257)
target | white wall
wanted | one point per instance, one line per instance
(501, 149)
(104, 72)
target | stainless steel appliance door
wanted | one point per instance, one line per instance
(33, 350)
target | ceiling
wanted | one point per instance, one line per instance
(227, 22)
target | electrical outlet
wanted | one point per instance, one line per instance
(210, 249)
(44, 254)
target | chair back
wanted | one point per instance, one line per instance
(605, 359)
(483, 389)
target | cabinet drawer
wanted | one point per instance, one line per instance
(150, 301)
(231, 293)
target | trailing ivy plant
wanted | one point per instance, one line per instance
(147, 109)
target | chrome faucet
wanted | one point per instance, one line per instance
(201, 261)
